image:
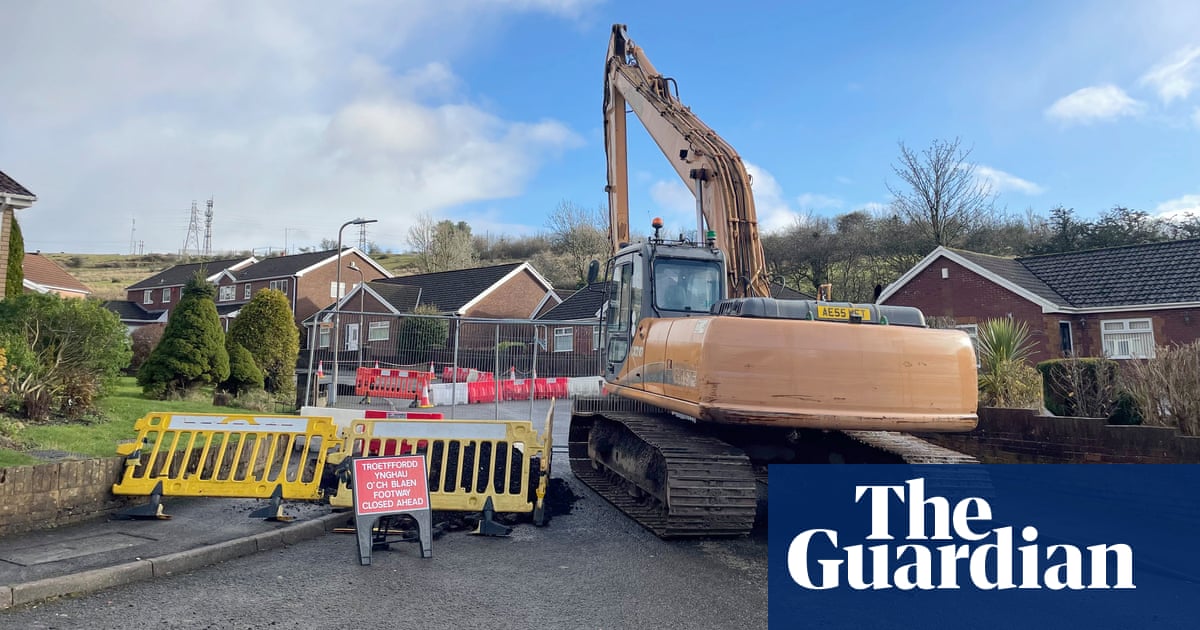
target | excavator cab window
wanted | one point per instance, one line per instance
(624, 309)
(690, 286)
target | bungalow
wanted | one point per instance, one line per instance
(1118, 302)
(43, 275)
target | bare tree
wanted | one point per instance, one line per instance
(442, 245)
(943, 196)
(578, 233)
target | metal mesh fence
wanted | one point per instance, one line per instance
(453, 349)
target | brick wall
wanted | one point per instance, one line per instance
(53, 494)
(1020, 436)
(6, 217)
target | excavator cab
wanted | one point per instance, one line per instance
(657, 279)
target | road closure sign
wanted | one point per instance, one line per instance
(390, 485)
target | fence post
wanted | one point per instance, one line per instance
(454, 379)
(496, 372)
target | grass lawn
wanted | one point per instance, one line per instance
(121, 409)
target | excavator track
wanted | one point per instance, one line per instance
(696, 485)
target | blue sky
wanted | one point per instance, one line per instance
(297, 116)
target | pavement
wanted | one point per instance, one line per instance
(106, 552)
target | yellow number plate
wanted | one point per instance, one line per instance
(843, 312)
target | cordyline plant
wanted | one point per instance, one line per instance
(1005, 378)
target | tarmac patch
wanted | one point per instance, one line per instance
(74, 548)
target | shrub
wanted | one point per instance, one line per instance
(192, 349)
(1080, 386)
(1164, 388)
(244, 374)
(144, 339)
(62, 354)
(418, 335)
(1005, 379)
(265, 327)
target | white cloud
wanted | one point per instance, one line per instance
(1175, 77)
(999, 181)
(1094, 104)
(1180, 207)
(1196, 117)
(678, 205)
(290, 115)
(818, 201)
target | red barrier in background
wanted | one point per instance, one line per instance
(550, 387)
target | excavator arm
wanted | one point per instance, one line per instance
(708, 166)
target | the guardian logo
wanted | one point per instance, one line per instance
(971, 553)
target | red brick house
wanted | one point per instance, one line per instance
(309, 280)
(151, 300)
(371, 315)
(43, 275)
(1119, 302)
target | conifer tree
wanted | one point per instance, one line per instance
(192, 350)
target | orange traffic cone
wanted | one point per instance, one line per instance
(423, 401)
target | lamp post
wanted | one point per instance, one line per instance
(362, 281)
(337, 316)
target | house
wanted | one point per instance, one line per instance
(13, 197)
(1119, 302)
(309, 280)
(151, 300)
(43, 275)
(371, 316)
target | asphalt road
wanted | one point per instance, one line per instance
(591, 568)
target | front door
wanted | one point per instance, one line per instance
(351, 337)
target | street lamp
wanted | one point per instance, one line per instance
(337, 315)
(362, 281)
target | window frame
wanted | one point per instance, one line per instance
(1126, 330)
(324, 337)
(166, 295)
(248, 291)
(383, 325)
(280, 285)
(148, 296)
(227, 293)
(568, 335)
(334, 290)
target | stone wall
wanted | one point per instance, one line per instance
(1020, 436)
(58, 493)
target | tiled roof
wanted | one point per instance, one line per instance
(582, 304)
(1013, 270)
(46, 272)
(450, 290)
(281, 266)
(402, 297)
(10, 186)
(180, 274)
(1154, 273)
(132, 311)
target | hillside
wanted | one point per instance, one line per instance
(107, 275)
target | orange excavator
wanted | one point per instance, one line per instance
(707, 377)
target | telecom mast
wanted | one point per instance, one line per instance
(208, 217)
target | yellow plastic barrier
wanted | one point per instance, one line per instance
(468, 460)
(220, 455)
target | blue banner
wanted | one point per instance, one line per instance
(975, 546)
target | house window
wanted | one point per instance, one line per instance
(378, 331)
(1127, 338)
(323, 338)
(564, 339)
(595, 337)
(228, 293)
(166, 295)
(279, 285)
(337, 290)
(147, 297)
(246, 292)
